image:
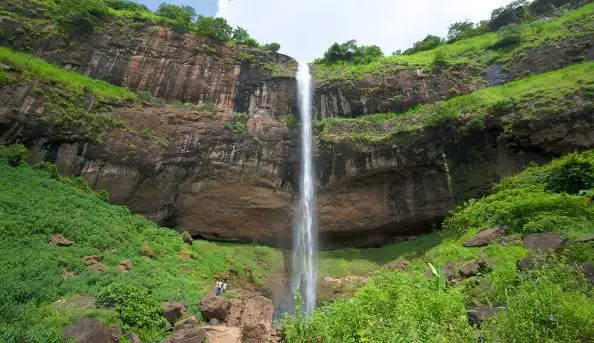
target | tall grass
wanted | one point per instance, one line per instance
(45, 71)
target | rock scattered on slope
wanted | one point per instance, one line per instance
(88, 330)
(59, 240)
(173, 311)
(543, 242)
(214, 307)
(486, 237)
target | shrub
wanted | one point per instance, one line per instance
(135, 307)
(215, 28)
(81, 16)
(571, 177)
(350, 52)
(428, 43)
(439, 60)
(508, 38)
(13, 154)
(274, 47)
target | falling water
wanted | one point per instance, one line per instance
(305, 232)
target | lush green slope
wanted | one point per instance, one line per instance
(551, 303)
(547, 95)
(35, 204)
(478, 51)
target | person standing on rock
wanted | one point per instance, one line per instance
(218, 288)
(224, 288)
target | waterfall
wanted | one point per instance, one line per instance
(304, 277)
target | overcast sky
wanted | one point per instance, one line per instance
(306, 28)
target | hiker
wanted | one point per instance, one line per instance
(218, 288)
(224, 287)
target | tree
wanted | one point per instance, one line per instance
(127, 5)
(175, 12)
(274, 47)
(513, 13)
(349, 51)
(463, 30)
(428, 43)
(215, 28)
(397, 53)
(241, 36)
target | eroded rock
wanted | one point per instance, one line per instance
(59, 240)
(173, 310)
(544, 242)
(187, 323)
(214, 307)
(588, 270)
(88, 330)
(223, 334)
(478, 314)
(256, 319)
(473, 267)
(486, 237)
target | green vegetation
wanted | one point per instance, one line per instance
(36, 204)
(37, 68)
(551, 302)
(547, 95)
(350, 52)
(240, 119)
(77, 17)
(478, 51)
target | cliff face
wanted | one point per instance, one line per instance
(384, 92)
(184, 167)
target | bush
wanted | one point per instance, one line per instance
(508, 38)
(135, 307)
(571, 177)
(215, 28)
(428, 43)
(126, 5)
(350, 52)
(274, 47)
(13, 154)
(81, 16)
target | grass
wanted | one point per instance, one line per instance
(547, 95)
(37, 68)
(551, 303)
(35, 204)
(473, 51)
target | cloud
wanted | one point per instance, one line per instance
(306, 28)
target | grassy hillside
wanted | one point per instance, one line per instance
(550, 303)
(547, 95)
(35, 204)
(478, 51)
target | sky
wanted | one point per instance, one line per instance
(306, 28)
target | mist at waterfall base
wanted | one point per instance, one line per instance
(304, 273)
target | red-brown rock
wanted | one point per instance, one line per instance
(59, 240)
(214, 307)
(173, 310)
(487, 236)
(87, 330)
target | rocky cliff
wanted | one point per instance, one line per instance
(190, 167)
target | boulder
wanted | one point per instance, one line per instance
(59, 240)
(187, 238)
(543, 242)
(473, 267)
(214, 322)
(478, 314)
(223, 334)
(68, 274)
(256, 319)
(188, 335)
(214, 307)
(486, 237)
(91, 260)
(126, 265)
(400, 265)
(187, 323)
(526, 263)
(173, 310)
(88, 330)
